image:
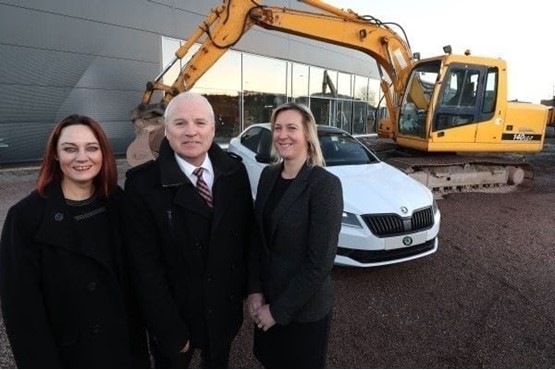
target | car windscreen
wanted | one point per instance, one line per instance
(341, 150)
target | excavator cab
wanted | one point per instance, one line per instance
(457, 103)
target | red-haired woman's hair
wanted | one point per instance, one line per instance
(107, 179)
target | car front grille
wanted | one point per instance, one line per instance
(363, 256)
(383, 225)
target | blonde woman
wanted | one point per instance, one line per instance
(298, 212)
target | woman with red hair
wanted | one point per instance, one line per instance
(66, 298)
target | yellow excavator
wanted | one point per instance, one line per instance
(448, 115)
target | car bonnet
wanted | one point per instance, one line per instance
(380, 188)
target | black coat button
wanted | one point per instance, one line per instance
(198, 245)
(59, 216)
(91, 287)
(95, 329)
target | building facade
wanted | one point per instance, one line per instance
(94, 57)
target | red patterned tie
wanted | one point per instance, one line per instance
(202, 187)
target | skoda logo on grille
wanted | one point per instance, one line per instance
(405, 210)
(407, 240)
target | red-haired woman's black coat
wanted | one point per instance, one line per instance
(63, 305)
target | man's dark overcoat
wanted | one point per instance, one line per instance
(190, 262)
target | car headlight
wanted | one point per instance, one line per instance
(434, 207)
(351, 220)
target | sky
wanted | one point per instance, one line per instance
(523, 36)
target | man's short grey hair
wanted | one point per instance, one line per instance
(189, 96)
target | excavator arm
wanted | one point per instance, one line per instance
(225, 25)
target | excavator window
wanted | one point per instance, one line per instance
(490, 96)
(416, 100)
(460, 103)
(461, 88)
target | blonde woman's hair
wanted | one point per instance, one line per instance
(315, 157)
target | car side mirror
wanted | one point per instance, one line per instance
(263, 158)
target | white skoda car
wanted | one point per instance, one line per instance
(388, 216)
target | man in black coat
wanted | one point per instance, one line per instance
(189, 238)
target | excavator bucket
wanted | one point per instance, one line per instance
(149, 132)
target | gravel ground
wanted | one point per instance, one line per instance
(484, 300)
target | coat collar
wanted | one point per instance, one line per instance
(171, 174)
(56, 226)
(56, 221)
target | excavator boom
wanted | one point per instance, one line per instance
(225, 25)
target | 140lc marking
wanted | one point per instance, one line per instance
(521, 136)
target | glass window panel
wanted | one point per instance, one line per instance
(363, 117)
(258, 106)
(264, 74)
(343, 110)
(315, 83)
(361, 88)
(344, 85)
(224, 77)
(367, 96)
(329, 83)
(226, 114)
(374, 92)
(264, 87)
(299, 80)
(367, 89)
(322, 110)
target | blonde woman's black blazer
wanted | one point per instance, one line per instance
(297, 258)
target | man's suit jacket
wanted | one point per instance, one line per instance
(189, 262)
(297, 258)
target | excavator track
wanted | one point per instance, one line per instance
(455, 172)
